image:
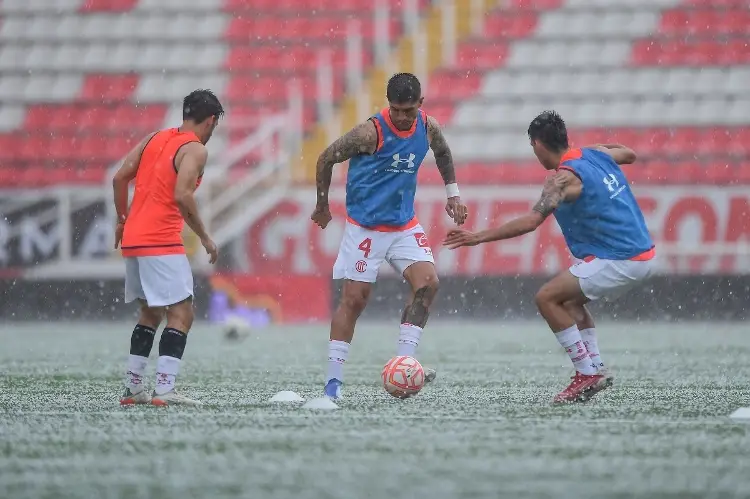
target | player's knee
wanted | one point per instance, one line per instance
(355, 299)
(180, 315)
(427, 284)
(544, 297)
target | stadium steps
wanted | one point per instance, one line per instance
(376, 79)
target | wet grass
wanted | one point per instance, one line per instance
(484, 429)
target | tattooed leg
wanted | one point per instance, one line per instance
(424, 283)
(417, 311)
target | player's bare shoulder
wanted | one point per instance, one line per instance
(362, 139)
(435, 132)
(563, 185)
(195, 151)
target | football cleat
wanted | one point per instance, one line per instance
(429, 375)
(333, 389)
(172, 398)
(581, 389)
(130, 398)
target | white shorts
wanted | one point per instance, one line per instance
(609, 279)
(159, 280)
(363, 250)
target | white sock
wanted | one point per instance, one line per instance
(592, 347)
(338, 352)
(166, 372)
(408, 339)
(136, 369)
(570, 340)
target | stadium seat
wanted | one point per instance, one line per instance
(84, 79)
(668, 78)
(82, 83)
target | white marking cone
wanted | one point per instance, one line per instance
(321, 404)
(286, 397)
(741, 414)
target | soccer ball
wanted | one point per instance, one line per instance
(403, 377)
(235, 328)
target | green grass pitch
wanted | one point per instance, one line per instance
(485, 429)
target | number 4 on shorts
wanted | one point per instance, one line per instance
(365, 246)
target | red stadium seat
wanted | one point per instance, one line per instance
(480, 55)
(98, 87)
(328, 6)
(501, 25)
(453, 85)
(108, 5)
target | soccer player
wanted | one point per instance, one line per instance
(384, 153)
(167, 167)
(604, 228)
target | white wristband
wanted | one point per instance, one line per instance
(451, 190)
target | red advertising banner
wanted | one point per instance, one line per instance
(697, 230)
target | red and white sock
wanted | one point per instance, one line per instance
(167, 369)
(408, 339)
(570, 340)
(592, 347)
(136, 369)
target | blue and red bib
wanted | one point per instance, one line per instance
(605, 221)
(380, 187)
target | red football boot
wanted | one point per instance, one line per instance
(581, 389)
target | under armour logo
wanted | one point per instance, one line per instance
(611, 182)
(397, 160)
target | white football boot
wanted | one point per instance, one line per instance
(137, 398)
(429, 375)
(172, 398)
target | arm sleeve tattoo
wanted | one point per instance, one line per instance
(553, 193)
(362, 139)
(443, 156)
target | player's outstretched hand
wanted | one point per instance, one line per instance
(321, 216)
(211, 249)
(456, 210)
(460, 237)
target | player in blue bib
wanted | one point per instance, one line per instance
(605, 230)
(384, 153)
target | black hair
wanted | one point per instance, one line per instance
(199, 105)
(404, 88)
(549, 129)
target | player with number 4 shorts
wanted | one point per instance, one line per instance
(384, 153)
(605, 230)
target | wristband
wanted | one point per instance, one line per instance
(451, 190)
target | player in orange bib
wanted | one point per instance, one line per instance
(167, 167)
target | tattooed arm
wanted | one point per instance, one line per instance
(444, 161)
(362, 139)
(443, 156)
(562, 186)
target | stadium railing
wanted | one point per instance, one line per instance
(233, 195)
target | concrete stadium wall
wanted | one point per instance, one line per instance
(683, 298)
(664, 298)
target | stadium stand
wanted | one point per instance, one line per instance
(668, 77)
(83, 79)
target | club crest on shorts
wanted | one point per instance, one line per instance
(360, 266)
(422, 241)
